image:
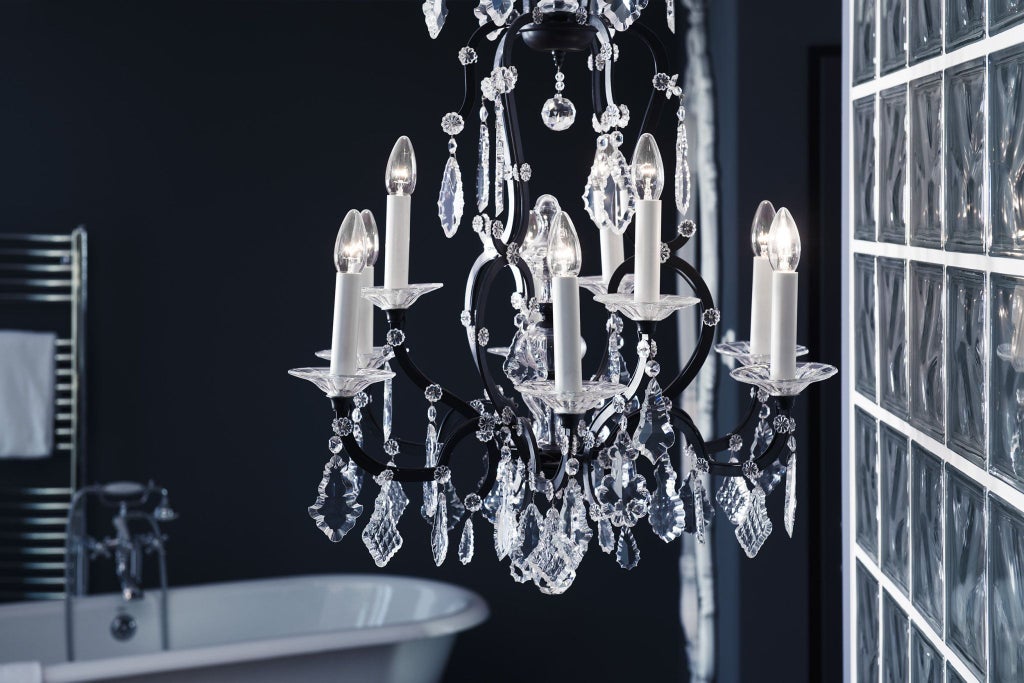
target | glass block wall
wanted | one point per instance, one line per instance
(934, 327)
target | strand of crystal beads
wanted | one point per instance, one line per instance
(483, 166)
(430, 447)
(682, 178)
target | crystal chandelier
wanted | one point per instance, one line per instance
(563, 456)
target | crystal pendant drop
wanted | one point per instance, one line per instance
(682, 176)
(434, 13)
(336, 510)
(790, 507)
(456, 510)
(430, 494)
(466, 542)
(380, 535)
(621, 13)
(670, 14)
(558, 113)
(450, 201)
(483, 169)
(667, 516)
(627, 553)
(757, 527)
(499, 157)
(439, 532)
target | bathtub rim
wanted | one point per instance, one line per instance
(473, 614)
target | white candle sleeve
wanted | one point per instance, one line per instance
(784, 302)
(647, 264)
(345, 336)
(565, 300)
(612, 254)
(396, 241)
(761, 307)
(366, 315)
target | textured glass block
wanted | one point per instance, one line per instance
(927, 385)
(866, 453)
(1006, 402)
(925, 221)
(1004, 13)
(966, 594)
(965, 363)
(1006, 150)
(965, 157)
(893, 24)
(965, 21)
(925, 25)
(1006, 581)
(925, 661)
(926, 516)
(867, 626)
(892, 335)
(896, 646)
(863, 40)
(894, 464)
(952, 676)
(864, 168)
(892, 165)
(864, 310)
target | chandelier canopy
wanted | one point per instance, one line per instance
(563, 455)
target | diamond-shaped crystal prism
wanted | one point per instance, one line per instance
(380, 535)
(757, 527)
(335, 510)
(733, 498)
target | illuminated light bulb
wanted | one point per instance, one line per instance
(564, 256)
(400, 175)
(350, 248)
(760, 227)
(372, 237)
(784, 243)
(535, 243)
(648, 169)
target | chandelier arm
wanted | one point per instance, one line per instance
(678, 242)
(469, 98)
(722, 443)
(596, 81)
(659, 55)
(483, 280)
(735, 469)
(603, 36)
(396, 319)
(515, 146)
(707, 337)
(379, 431)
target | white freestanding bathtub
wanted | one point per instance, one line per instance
(350, 628)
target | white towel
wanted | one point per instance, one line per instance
(21, 672)
(27, 385)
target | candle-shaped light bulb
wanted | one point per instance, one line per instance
(372, 237)
(400, 176)
(760, 228)
(648, 169)
(350, 247)
(784, 242)
(350, 251)
(784, 255)
(535, 243)
(564, 256)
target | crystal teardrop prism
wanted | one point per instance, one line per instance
(499, 157)
(682, 176)
(336, 510)
(558, 113)
(667, 515)
(789, 516)
(627, 553)
(466, 542)
(605, 535)
(450, 201)
(439, 532)
(621, 13)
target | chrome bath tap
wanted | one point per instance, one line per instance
(126, 547)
